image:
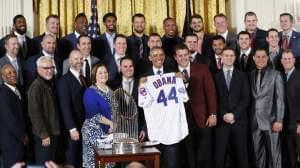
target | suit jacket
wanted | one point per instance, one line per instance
(166, 69)
(234, 99)
(212, 64)
(239, 63)
(104, 41)
(12, 119)
(113, 72)
(30, 69)
(70, 95)
(259, 41)
(292, 116)
(61, 50)
(29, 48)
(66, 64)
(168, 44)
(202, 93)
(294, 43)
(5, 60)
(134, 47)
(231, 40)
(268, 102)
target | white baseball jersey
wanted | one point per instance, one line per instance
(162, 98)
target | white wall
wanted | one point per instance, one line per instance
(10, 8)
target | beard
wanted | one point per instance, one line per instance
(20, 31)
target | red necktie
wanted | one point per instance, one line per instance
(285, 44)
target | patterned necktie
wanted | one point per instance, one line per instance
(186, 75)
(15, 65)
(245, 60)
(285, 44)
(258, 80)
(219, 65)
(82, 81)
(87, 71)
(141, 48)
(228, 78)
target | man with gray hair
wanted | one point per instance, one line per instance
(43, 111)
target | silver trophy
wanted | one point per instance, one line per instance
(125, 120)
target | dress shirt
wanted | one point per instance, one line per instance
(193, 56)
(21, 38)
(155, 70)
(289, 73)
(125, 83)
(224, 34)
(88, 58)
(246, 53)
(14, 89)
(118, 59)
(110, 39)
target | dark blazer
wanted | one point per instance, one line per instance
(71, 38)
(212, 64)
(202, 93)
(150, 72)
(294, 43)
(61, 51)
(105, 43)
(292, 115)
(25, 52)
(259, 40)
(20, 79)
(235, 99)
(70, 93)
(30, 69)
(250, 63)
(133, 46)
(168, 44)
(113, 71)
(12, 126)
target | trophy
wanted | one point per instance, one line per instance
(125, 120)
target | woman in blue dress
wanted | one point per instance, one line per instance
(97, 102)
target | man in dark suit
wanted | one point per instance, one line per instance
(201, 110)
(48, 49)
(12, 119)
(292, 115)
(70, 89)
(169, 153)
(244, 60)
(137, 42)
(11, 57)
(289, 39)
(267, 111)
(214, 60)
(257, 35)
(129, 83)
(204, 40)
(52, 27)
(274, 49)
(80, 25)
(113, 61)
(221, 24)
(27, 47)
(233, 102)
(110, 22)
(170, 39)
(85, 46)
(191, 41)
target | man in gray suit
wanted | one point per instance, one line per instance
(267, 112)
(12, 48)
(221, 24)
(84, 45)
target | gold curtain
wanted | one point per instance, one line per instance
(154, 10)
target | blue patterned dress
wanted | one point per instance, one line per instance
(97, 104)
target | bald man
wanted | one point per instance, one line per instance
(70, 89)
(12, 122)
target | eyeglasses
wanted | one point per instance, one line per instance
(48, 68)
